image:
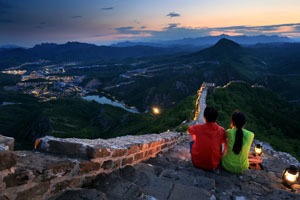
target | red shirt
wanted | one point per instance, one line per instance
(207, 147)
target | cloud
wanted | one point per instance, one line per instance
(173, 14)
(76, 17)
(172, 25)
(130, 30)
(227, 32)
(108, 8)
(174, 31)
(128, 33)
(136, 21)
(124, 29)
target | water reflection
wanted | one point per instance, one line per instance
(104, 100)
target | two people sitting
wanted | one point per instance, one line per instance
(213, 145)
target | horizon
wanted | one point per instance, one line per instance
(104, 22)
(136, 41)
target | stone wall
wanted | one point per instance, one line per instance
(60, 164)
(7, 157)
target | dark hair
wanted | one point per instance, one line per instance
(238, 119)
(210, 114)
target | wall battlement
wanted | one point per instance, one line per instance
(112, 153)
(71, 163)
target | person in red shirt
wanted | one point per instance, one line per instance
(209, 141)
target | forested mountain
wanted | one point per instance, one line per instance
(167, 81)
(75, 51)
(269, 116)
(221, 63)
(210, 40)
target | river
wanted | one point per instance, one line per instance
(104, 100)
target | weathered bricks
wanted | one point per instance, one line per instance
(88, 166)
(138, 156)
(142, 147)
(127, 161)
(41, 175)
(133, 149)
(109, 164)
(119, 152)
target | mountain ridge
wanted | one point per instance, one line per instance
(210, 40)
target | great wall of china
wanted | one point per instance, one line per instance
(59, 164)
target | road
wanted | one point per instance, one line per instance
(202, 106)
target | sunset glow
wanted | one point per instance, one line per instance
(103, 22)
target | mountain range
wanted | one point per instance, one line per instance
(210, 40)
(75, 51)
(165, 81)
(170, 78)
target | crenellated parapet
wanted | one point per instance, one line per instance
(59, 164)
(112, 153)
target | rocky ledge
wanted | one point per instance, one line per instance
(171, 176)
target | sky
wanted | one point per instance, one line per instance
(103, 22)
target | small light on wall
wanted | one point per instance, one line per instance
(258, 149)
(156, 110)
(290, 175)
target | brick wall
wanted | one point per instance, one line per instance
(70, 163)
(112, 153)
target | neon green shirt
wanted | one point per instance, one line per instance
(237, 163)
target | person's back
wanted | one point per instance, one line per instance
(206, 150)
(239, 141)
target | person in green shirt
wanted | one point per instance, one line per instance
(239, 141)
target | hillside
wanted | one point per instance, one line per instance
(210, 40)
(165, 81)
(140, 167)
(275, 66)
(26, 119)
(269, 116)
(79, 52)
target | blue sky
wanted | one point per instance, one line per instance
(30, 22)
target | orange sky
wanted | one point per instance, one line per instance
(104, 21)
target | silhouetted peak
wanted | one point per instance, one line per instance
(45, 45)
(226, 43)
(78, 45)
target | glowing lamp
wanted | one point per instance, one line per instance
(290, 175)
(155, 110)
(258, 149)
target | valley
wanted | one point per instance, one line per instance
(45, 95)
